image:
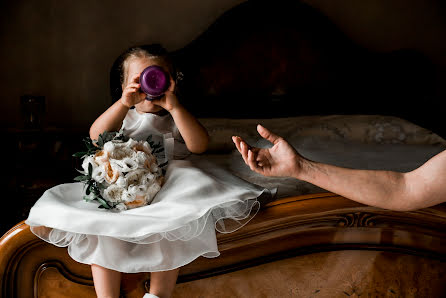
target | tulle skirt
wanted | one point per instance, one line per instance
(177, 227)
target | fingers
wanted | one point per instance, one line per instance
(249, 155)
(244, 151)
(133, 86)
(242, 147)
(236, 141)
(266, 134)
(134, 79)
(132, 94)
(253, 164)
(172, 85)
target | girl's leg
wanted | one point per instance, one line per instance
(107, 282)
(162, 283)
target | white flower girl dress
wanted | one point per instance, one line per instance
(178, 226)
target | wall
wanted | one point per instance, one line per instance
(383, 25)
(64, 49)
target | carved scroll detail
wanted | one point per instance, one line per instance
(357, 219)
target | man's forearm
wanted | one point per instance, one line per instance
(384, 189)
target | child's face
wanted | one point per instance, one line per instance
(136, 66)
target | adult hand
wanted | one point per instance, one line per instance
(132, 95)
(280, 160)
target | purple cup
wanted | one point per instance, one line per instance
(154, 82)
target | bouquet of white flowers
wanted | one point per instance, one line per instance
(119, 172)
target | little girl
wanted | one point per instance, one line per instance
(179, 225)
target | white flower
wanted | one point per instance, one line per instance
(121, 153)
(131, 143)
(138, 202)
(127, 172)
(113, 193)
(152, 191)
(121, 182)
(139, 190)
(111, 175)
(88, 160)
(144, 147)
(154, 168)
(128, 196)
(99, 174)
(121, 207)
(134, 177)
(109, 147)
(124, 165)
(147, 178)
(101, 157)
(142, 158)
(120, 144)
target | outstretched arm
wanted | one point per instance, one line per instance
(420, 188)
(423, 187)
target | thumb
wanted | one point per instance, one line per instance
(266, 134)
(171, 86)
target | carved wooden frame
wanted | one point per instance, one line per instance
(282, 229)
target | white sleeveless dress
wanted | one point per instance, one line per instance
(177, 227)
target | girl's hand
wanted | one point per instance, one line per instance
(132, 95)
(169, 101)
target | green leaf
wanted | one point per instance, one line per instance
(87, 198)
(90, 169)
(100, 142)
(82, 172)
(156, 146)
(100, 186)
(95, 190)
(88, 142)
(81, 178)
(103, 202)
(79, 154)
(107, 136)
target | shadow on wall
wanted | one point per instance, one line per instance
(64, 50)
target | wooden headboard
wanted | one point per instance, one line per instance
(260, 60)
